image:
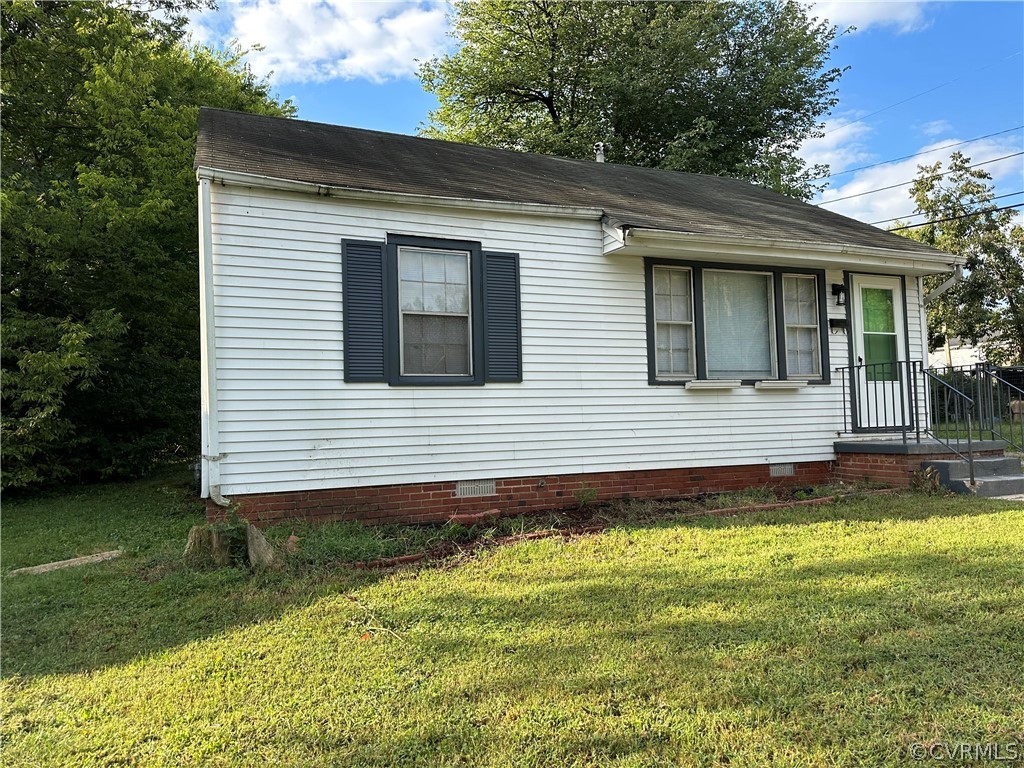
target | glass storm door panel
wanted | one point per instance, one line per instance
(881, 396)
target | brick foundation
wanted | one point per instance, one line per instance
(890, 469)
(436, 502)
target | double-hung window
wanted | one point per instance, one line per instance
(420, 311)
(435, 314)
(734, 323)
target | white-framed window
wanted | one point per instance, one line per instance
(435, 312)
(734, 323)
(803, 335)
(673, 322)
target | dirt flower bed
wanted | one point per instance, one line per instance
(363, 547)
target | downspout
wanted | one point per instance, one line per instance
(210, 426)
(957, 276)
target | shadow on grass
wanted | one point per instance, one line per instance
(82, 619)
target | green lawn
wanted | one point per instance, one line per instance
(837, 635)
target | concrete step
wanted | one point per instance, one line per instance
(1005, 485)
(989, 466)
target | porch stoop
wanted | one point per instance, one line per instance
(996, 476)
(894, 462)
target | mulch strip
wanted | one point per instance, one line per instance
(450, 549)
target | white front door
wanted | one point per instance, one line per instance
(878, 328)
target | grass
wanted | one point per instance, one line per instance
(1011, 431)
(837, 635)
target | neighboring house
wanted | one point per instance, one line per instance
(955, 353)
(396, 328)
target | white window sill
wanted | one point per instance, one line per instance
(791, 384)
(714, 384)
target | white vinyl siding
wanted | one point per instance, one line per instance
(288, 421)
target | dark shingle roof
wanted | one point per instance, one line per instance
(639, 197)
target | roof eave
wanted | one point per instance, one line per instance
(654, 242)
(350, 193)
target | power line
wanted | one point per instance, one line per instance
(922, 93)
(917, 154)
(954, 218)
(900, 218)
(911, 181)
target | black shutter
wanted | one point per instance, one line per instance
(503, 356)
(363, 310)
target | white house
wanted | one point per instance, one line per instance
(396, 328)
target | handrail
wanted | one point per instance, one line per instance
(904, 398)
(1016, 412)
(998, 402)
(961, 400)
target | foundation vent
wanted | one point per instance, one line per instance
(781, 470)
(465, 488)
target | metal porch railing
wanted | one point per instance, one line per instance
(998, 396)
(905, 398)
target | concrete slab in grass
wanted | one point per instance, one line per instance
(47, 567)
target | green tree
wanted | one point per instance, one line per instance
(987, 306)
(707, 87)
(99, 111)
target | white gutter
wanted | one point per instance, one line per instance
(724, 246)
(348, 193)
(208, 356)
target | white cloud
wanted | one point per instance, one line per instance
(896, 202)
(936, 127)
(904, 15)
(318, 40)
(841, 147)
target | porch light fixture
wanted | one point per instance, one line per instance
(839, 291)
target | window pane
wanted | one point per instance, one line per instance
(456, 269)
(738, 325)
(880, 356)
(802, 357)
(434, 297)
(411, 295)
(878, 311)
(433, 267)
(674, 346)
(435, 345)
(673, 299)
(801, 300)
(411, 267)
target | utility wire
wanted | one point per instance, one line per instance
(916, 154)
(922, 93)
(900, 218)
(954, 218)
(911, 181)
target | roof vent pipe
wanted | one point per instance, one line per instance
(599, 151)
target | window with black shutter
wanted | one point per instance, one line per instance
(424, 311)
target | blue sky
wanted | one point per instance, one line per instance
(921, 75)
